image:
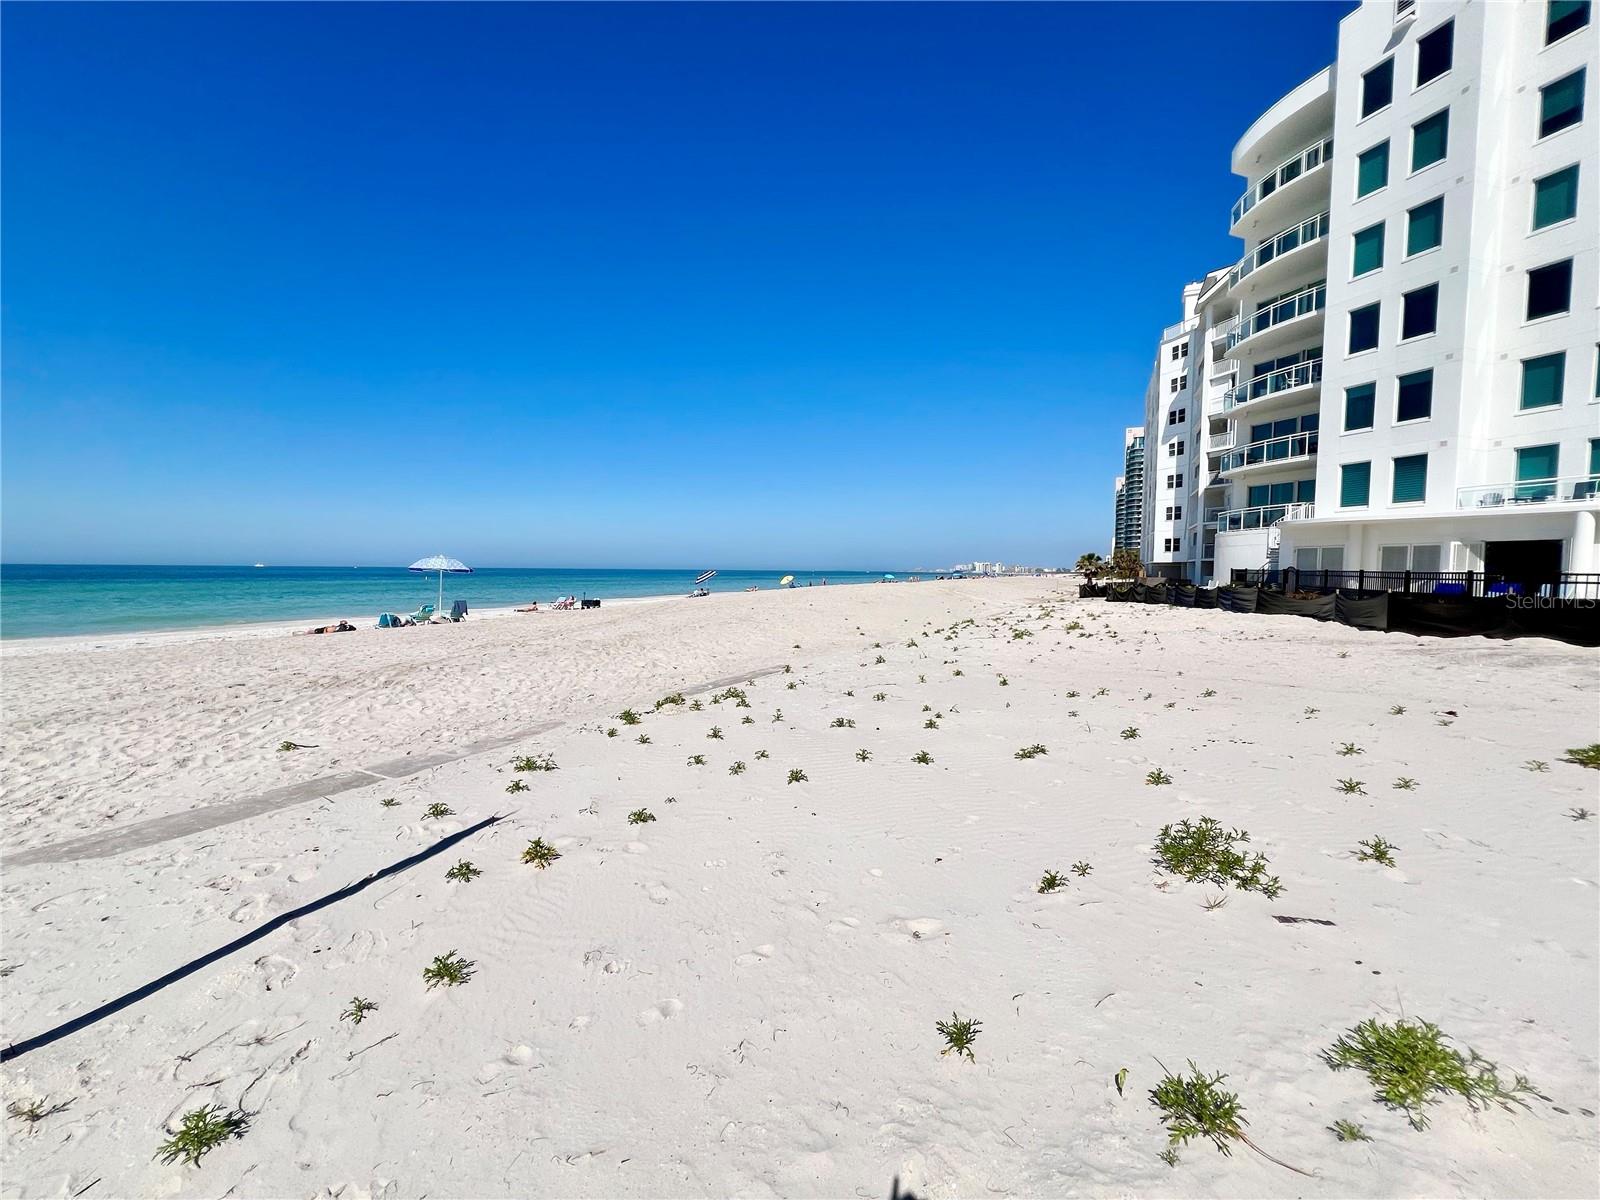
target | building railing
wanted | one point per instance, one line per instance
(1172, 331)
(1312, 299)
(1212, 514)
(1529, 491)
(1264, 516)
(1289, 448)
(1312, 229)
(1554, 585)
(1313, 156)
(1301, 512)
(1220, 441)
(1305, 374)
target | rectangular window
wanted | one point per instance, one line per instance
(1549, 289)
(1393, 558)
(1175, 354)
(1555, 197)
(1172, 385)
(1425, 559)
(1561, 103)
(1363, 328)
(1419, 312)
(1372, 169)
(1305, 491)
(1425, 226)
(1410, 479)
(1435, 51)
(1183, 382)
(1355, 485)
(1358, 406)
(1594, 456)
(1368, 253)
(1255, 496)
(1536, 465)
(1430, 140)
(1185, 348)
(1414, 396)
(1377, 87)
(1542, 380)
(1562, 17)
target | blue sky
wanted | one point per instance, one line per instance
(603, 285)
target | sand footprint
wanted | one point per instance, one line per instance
(917, 927)
(660, 893)
(665, 1010)
(759, 955)
(843, 924)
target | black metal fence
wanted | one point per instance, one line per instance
(1567, 585)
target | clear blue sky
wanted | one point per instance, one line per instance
(828, 285)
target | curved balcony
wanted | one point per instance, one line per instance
(1232, 520)
(1299, 117)
(1283, 451)
(1277, 323)
(1304, 173)
(1289, 386)
(1275, 258)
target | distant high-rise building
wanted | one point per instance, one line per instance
(1129, 532)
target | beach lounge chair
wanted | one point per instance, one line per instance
(422, 615)
(458, 610)
(393, 621)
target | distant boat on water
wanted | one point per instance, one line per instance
(261, 564)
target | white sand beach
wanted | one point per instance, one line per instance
(739, 996)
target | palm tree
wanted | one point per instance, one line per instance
(1126, 564)
(1090, 565)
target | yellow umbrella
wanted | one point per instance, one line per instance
(786, 581)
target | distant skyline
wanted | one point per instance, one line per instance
(603, 285)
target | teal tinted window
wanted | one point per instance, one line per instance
(1537, 462)
(1410, 479)
(1594, 456)
(1372, 169)
(1358, 404)
(1283, 493)
(1562, 17)
(1256, 496)
(1368, 254)
(1542, 380)
(1425, 226)
(1355, 484)
(1363, 328)
(1430, 140)
(1555, 197)
(1305, 491)
(1561, 103)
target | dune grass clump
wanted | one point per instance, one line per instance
(388, 802)
(435, 811)
(1375, 849)
(796, 775)
(1411, 1068)
(1537, 765)
(1349, 748)
(1579, 814)
(1405, 784)
(1397, 710)
(880, 696)
(1081, 869)
(534, 762)
(673, 699)
(1197, 1106)
(1206, 852)
(613, 731)
(1349, 1131)
(863, 755)
(462, 872)
(696, 760)
(1033, 751)
(1158, 778)
(716, 733)
(842, 723)
(540, 853)
(1131, 732)
(762, 754)
(518, 785)
(1052, 881)
(959, 1033)
(36, 1110)
(1352, 787)
(628, 717)
(643, 739)
(360, 1006)
(922, 757)
(695, 706)
(202, 1131)
(737, 768)
(1584, 756)
(448, 970)
(931, 723)
(879, 661)
(1208, 693)
(641, 816)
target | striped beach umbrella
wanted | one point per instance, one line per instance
(702, 577)
(443, 565)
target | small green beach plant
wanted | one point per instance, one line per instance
(1536, 765)
(959, 1034)
(880, 696)
(716, 733)
(462, 872)
(796, 775)
(534, 762)
(737, 768)
(540, 853)
(1158, 778)
(1207, 852)
(518, 785)
(697, 760)
(202, 1131)
(388, 802)
(1081, 869)
(1130, 733)
(922, 757)
(1349, 748)
(1584, 756)
(863, 755)
(628, 717)
(1375, 849)
(448, 970)
(1052, 881)
(674, 699)
(436, 810)
(1405, 784)
(641, 816)
(1349, 1131)
(358, 1010)
(1352, 787)
(1033, 751)
(643, 739)
(842, 723)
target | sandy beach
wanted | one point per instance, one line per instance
(729, 980)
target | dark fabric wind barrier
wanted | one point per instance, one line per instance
(1444, 616)
(1205, 597)
(1154, 593)
(1121, 591)
(1363, 610)
(1237, 599)
(1575, 621)
(1276, 603)
(1182, 594)
(1091, 591)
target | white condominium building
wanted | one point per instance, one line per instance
(1402, 371)
(1130, 491)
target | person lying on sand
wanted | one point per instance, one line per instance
(341, 627)
(534, 607)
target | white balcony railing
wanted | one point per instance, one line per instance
(1232, 520)
(1312, 300)
(1312, 229)
(1301, 375)
(1313, 156)
(1290, 448)
(1530, 491)
(1220, 441)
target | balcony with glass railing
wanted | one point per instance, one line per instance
(1232, 520)
(1312, 158)
(1524, 492)
(1277, 315)
(1298, 382)
(1220, 441)
(1278, 451)
(1276, 249)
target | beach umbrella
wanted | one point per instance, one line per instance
(702, 577)
(442, 565)
(786, 581)
(888, 578)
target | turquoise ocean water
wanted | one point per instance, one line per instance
(51, 601)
